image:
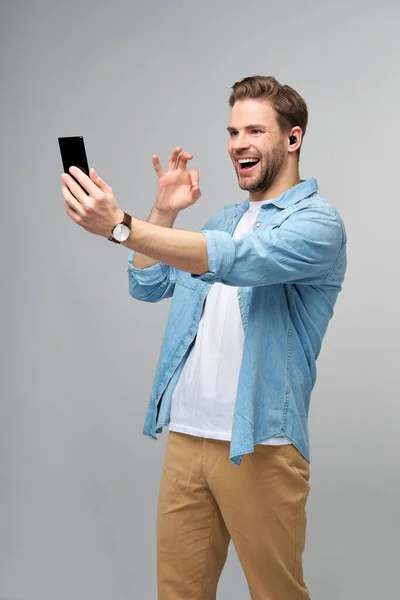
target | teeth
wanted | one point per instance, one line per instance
(247, 160)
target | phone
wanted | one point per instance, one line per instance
(73, 153)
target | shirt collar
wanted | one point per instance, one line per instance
(298, 192)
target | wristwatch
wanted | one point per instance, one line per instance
(121, 231)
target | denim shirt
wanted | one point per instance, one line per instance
(289, 271)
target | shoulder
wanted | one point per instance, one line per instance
(317, 207)
(312, 219)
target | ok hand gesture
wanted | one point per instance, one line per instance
(177, 188)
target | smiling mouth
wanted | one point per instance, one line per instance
(249, 166)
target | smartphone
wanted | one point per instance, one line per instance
(73, 154)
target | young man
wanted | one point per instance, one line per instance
(252, 295)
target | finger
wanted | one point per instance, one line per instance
(74, 215)
(194, 177)
(173, 158)
(157, 165)
(183, 159)
(72, 203)
(85, 181)
(195, 193)
(99, 181)
(75, 189)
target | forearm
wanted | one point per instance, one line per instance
(184, 250)
(141, 261)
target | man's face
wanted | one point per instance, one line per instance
(254, 134)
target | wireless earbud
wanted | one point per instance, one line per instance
(292, 139)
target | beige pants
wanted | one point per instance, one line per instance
(205, 501)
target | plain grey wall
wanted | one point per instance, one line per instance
(78, 481)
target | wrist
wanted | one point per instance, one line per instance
(163, 219)
(119, 217)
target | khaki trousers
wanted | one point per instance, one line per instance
(205, 501)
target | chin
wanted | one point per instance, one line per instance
(243, 186)
(249, 186)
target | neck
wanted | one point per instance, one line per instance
(279, 187)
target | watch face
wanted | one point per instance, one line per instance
(121, 232)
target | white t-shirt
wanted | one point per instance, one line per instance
(204, 397)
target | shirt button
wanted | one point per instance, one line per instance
(190, 333)
(172, 365)
(257, 224)
(239, 296)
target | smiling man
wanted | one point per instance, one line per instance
(252, 295)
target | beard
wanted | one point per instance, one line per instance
(270, 167)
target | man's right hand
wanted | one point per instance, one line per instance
(177, 188)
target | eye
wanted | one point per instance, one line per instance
(232, 133)
(257, 131)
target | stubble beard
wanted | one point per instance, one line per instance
(271, 166)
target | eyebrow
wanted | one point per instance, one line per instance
(254, 126)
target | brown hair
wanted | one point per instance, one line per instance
(290, 107)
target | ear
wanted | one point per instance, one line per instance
(298, 134)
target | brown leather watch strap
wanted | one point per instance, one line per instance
(127, 220)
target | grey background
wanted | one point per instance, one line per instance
(78, 481)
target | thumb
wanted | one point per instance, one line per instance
(195, 189)
(99, 182)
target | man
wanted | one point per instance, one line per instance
(252, 295)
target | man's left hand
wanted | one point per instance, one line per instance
(97, 212)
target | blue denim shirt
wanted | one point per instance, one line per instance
(289, 271)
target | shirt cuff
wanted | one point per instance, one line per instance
(220, 254)
(148, 275)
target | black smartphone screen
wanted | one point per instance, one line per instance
(73, 154)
